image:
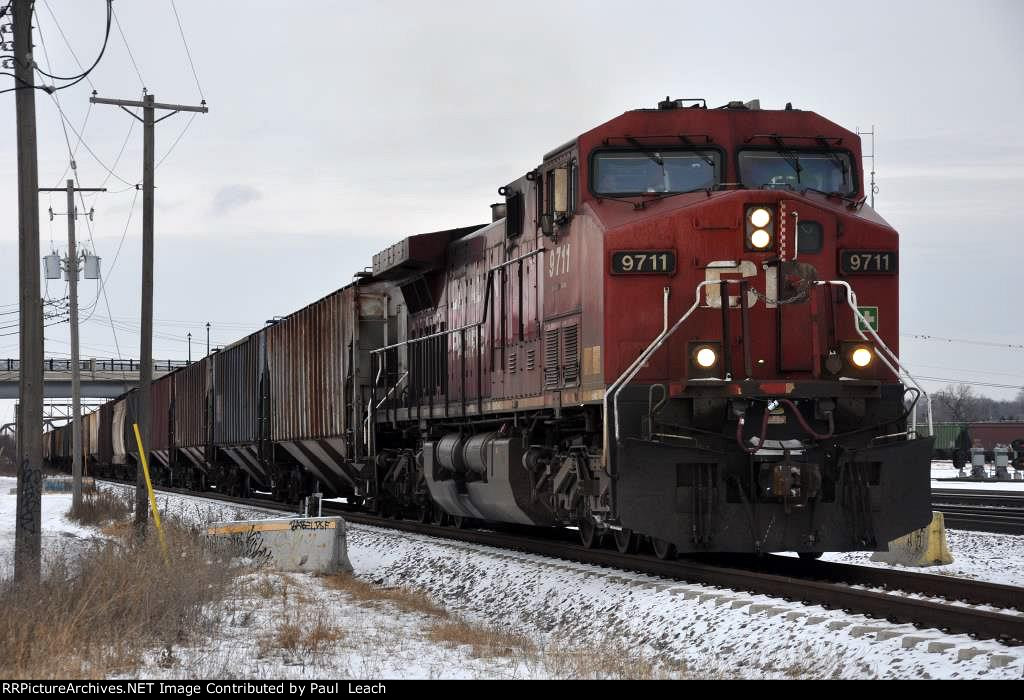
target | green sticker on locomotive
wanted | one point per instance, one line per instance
(870, 315)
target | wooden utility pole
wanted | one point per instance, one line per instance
(76, 363)
(28, 526)
(149, 107)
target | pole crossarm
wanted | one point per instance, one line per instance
(155, 105)
(73, 189)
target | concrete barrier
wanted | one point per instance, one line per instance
(924, 547)
(62, 484)
(315, 545)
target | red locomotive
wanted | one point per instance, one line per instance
(681, 326)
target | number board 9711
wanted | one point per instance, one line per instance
(868, 262)
(644, 262)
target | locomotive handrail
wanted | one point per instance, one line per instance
(468, 326)
(627, 376)
(485, 314)
(899, 370)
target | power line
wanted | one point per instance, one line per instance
(104, 278)
(990, 344)
(175, 143)
(129, 49)
(187, 51)
(969, 371)
(84, 75)
(971, 383)
(87, 148)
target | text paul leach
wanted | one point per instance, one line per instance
(192, 689)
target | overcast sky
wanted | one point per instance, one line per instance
(335, 128)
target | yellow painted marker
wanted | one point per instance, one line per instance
(152, 496)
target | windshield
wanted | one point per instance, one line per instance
(798, 170)
(654, 172)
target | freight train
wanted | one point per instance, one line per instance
(680, 328)
(953, 441)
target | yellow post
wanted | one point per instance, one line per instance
(152, 496)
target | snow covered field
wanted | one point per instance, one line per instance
(539, 617)
(59, 533)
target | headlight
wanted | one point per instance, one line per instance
(861, 357)
(758, 228)
(706, 357)
(760, 238)
(760, 218)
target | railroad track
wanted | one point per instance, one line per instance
(982, 511)
(945, 603)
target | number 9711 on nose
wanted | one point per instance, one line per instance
(644, 262)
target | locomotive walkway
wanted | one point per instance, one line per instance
(101, 379)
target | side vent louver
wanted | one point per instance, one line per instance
(531, 360)
(551, 373)
(570, 354)
(512, 363)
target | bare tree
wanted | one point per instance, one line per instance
(959, 403)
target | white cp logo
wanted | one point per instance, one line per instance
(720, 268)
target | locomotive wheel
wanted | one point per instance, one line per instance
(810, 556)
(425, 513)
(460, 522)
(626, 541)
(439, 517)
(663, 549)
(590, 536)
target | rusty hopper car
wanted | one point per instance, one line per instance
(681, 326)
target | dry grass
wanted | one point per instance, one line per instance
(102, 508)
(484, 642)
(405, 599)
(95, 615)
(560, 659)
(309, 636)
(609, 660)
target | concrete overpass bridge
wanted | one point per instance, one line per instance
(101, 379)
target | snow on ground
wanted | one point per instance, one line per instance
(60, 535)
(976, 555)
(296, 627)
(710, 631)
(299, 626)
(706, 631)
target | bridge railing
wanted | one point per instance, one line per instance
(94, 365)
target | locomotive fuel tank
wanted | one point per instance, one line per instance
(483, 477)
